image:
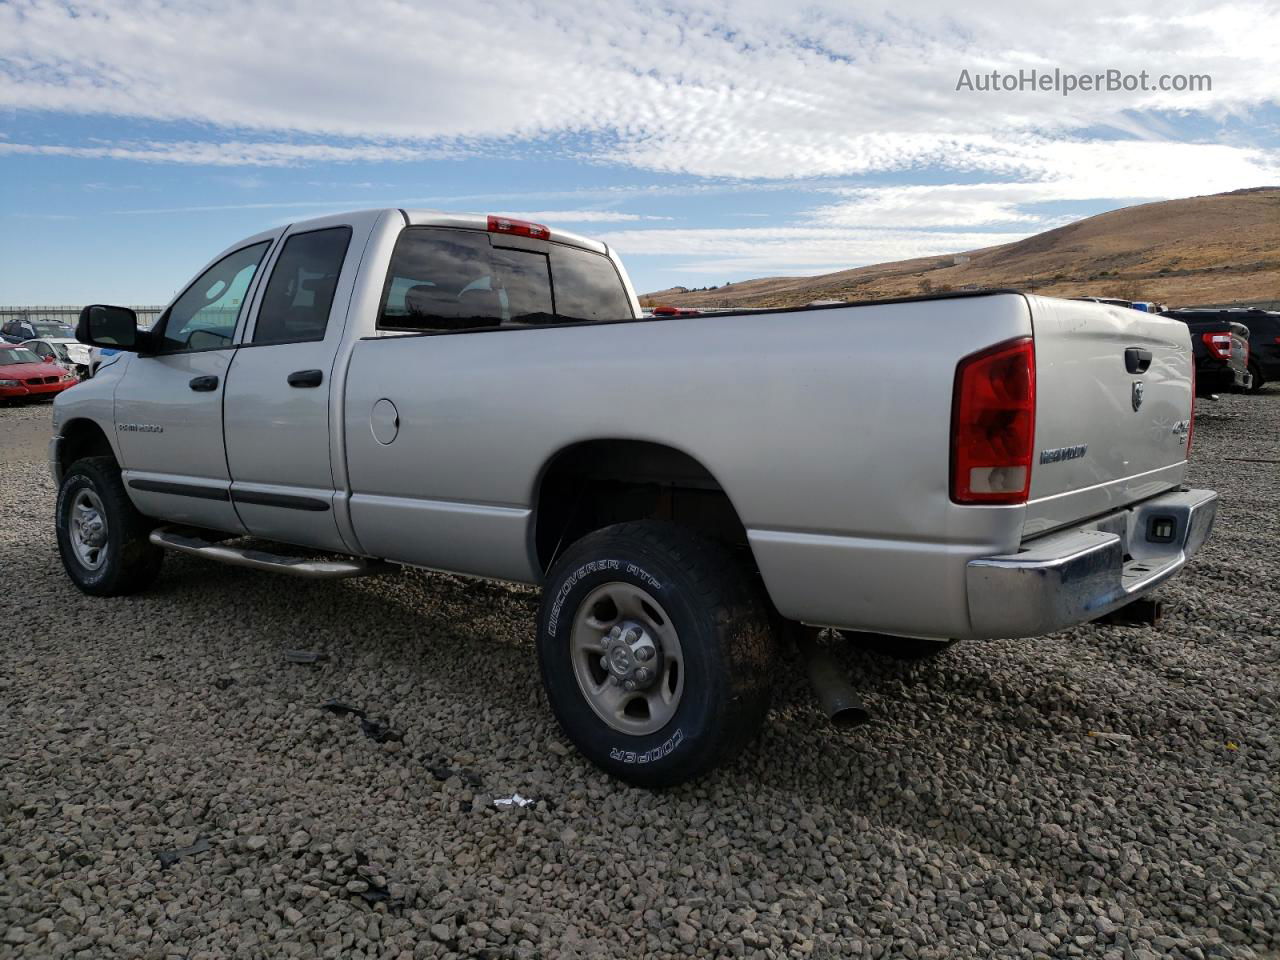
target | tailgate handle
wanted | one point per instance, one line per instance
(1137, 360)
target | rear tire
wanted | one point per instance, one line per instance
(900, 648)
(1258, 382)
(102, 538)
(686, 609)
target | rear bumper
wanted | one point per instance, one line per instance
(1216, 377)
(1072, 577)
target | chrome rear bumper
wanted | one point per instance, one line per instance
(1072, 577)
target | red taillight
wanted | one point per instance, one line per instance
(1219, 344)
(993, 424)
(519, 228)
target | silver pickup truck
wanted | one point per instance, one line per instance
(482, 395)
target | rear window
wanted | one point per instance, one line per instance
(447, 280)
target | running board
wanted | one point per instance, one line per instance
(172, 539)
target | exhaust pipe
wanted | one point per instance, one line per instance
(835, 694)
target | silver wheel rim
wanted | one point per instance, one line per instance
(88, 528)
(627, 658)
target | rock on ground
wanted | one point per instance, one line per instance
(975, 817)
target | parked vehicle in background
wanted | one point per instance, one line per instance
(481, 395)
(1264, 337)
(1111, 301)
(16, 331)
(25, 375)
(66, 351)
(1240, 357)
(1214, 348)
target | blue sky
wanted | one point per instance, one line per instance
(705, 141)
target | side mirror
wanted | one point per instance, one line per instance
(49, 358)
(101, 325)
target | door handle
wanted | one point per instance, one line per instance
(203, 384)
(1137, 360)
(306, 378)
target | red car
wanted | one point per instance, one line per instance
(24, 375)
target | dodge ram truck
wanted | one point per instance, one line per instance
(481, 395)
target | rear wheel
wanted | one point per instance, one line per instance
(655, 651)
(102, 538)
(1258, 382)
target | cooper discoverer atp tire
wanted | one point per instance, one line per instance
(102, 538)
(655, 651)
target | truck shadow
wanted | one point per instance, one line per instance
(943, 732)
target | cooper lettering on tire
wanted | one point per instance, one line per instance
(655, 651)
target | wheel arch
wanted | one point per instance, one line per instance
(590, 484)
(83, 437)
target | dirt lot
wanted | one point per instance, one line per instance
(976, 816)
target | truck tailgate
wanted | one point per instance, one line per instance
(1111, 428)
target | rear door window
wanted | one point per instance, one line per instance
(299, 296)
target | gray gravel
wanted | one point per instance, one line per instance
(975, 817)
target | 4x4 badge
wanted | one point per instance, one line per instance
(1137, 395)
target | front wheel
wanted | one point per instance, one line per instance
(655, 651)
(102, 538)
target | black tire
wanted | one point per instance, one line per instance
(1258, 382)
(728, 649)
(131, 562)
(900, 648)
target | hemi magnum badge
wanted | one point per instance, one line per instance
(1064, 453)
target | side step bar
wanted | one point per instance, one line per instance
(172, 539)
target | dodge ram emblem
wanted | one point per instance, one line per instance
(1137, 395)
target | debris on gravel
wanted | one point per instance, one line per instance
(1109, 791)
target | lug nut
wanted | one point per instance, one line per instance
(629, 685)
(644, 653)
(642, 675)
(604, 663)
(634, 635)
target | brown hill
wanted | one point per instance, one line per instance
(1222, 248)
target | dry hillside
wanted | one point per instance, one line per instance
(1216, 249)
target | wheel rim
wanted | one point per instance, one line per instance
(627, 658)
(87, 523)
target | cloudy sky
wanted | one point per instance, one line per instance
(706, 141)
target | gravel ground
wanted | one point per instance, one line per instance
(976, 816)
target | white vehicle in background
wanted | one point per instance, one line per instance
(67, 352)
(483, 396)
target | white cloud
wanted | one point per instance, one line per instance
(578, 216)
(233, 153)
(794, 250)
(751, 95)
(1088, 170)
(743, 90)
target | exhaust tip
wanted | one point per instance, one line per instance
(836, 697)
(848, 717)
